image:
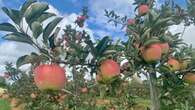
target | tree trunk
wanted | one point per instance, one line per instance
(153, 93)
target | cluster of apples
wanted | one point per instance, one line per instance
(177, 65)
(154, 52)
(53, 77)
(142, 10)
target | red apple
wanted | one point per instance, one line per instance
(173, 64)
(152, 53)
(165, 47)
(80, 21)
(109, 69)
(189, 78)
(131, 21)
(49, 76)
(143, 9)
(81, 18)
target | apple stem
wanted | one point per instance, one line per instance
(153, 93)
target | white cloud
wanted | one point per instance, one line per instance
(53, 10)
(10, 51)
(188, 35)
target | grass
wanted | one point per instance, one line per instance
(4, 105)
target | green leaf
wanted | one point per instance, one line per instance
(52, 38)
(109, 52)
(164, 69)
(26, 59)
(7, 27)
(22, 60)
(36, 29)
(146, 32)
(116, 47)
(18, 37)
(26, 5)
(162, 21)
(34, 11)
(44, 51)
(13, 14)
(52, 42)
(44, 16)
(49, 28)
(102, 45)
(151, 41)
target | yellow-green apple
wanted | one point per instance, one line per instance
(152, 53)
(49, 76)
(143, 9)
(189, 78)
(173, 64)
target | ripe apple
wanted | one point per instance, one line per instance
(189, 78)
(131, 21)
(174, 64)
(152, 53)
(81, 18)
(165, 47)
(49, 76)
(143, 9)
(80, 21)
(109, 69)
